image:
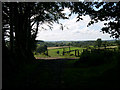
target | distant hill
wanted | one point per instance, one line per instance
(74, 43)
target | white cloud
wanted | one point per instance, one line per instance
(76, 31)
(66, 10)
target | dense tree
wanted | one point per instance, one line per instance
(110, 12)
(21, 22)
(41, 49)
(99, 42)
(118, 44)
(105, 44)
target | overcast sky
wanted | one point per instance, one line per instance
(73, 31)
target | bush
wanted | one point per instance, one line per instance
(94, 58)
(41, 49)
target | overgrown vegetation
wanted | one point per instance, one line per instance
(97, 57)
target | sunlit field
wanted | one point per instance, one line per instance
(52, 52)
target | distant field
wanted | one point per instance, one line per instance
(57, 47)
(110, 47)
(52, 52)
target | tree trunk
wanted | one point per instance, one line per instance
(23, 38)
(11, 28)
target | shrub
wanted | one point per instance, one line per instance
(94, 58)
(41, 49)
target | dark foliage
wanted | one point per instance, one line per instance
(96, 57)
(109, 11)
(18, 19)
(41, 49)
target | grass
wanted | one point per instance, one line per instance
(53, 53)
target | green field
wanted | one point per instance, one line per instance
(53, 52)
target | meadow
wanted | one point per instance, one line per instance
(52, 52)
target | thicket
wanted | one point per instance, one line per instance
(97, 57)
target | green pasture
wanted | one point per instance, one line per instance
(53, 52)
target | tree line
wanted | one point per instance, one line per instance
(79, 43)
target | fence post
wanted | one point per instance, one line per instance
(75, 52)
(63, 51)
(78, 52)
